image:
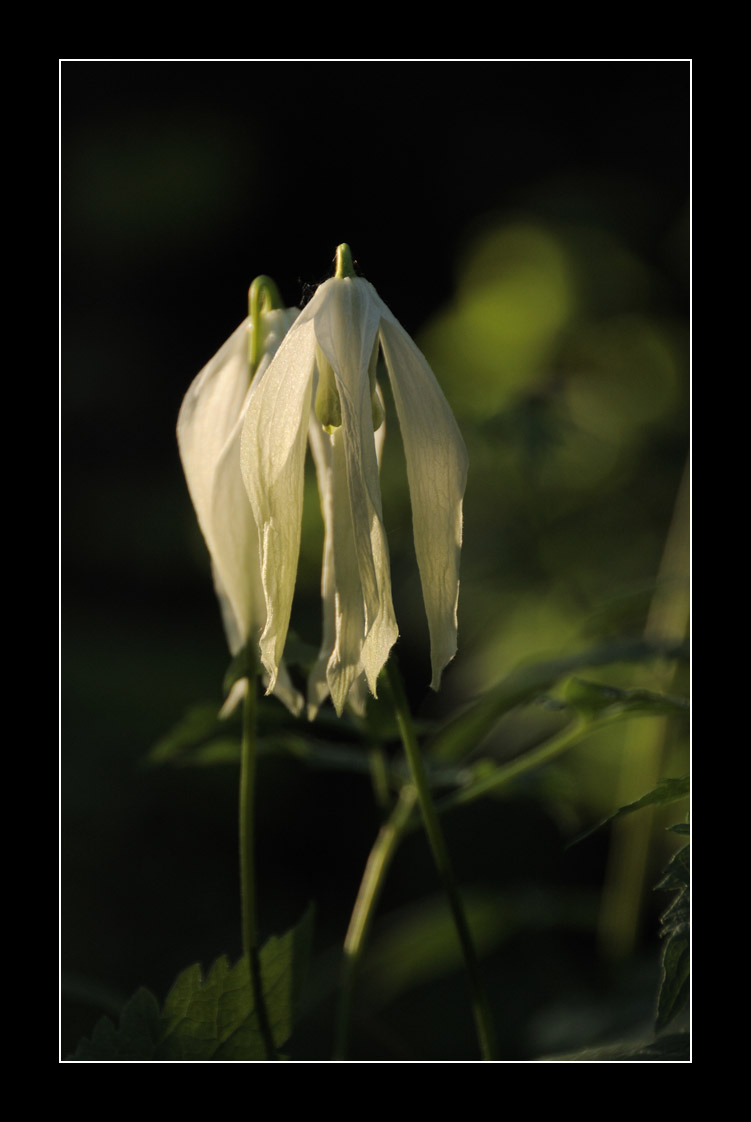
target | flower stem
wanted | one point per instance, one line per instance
(481, 1009)
(247, 860)
(379, 860)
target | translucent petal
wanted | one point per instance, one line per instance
(207, 417)
(437, 472)
(346, 326)
(322, 449)
(207, 431)
(322, 452)
(237, 571)
(344, 667)
(272, 459)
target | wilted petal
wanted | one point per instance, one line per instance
(272, 456)
(437, 472)
(349, 611)
(346, 326)
(320, 447)
(346, 330)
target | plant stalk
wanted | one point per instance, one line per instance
(480, 1005)
(251, 947)
(376, 868)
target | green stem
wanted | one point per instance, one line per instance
(247, 860)
(481, 1009)
(379, 860)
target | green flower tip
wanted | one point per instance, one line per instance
(344, 264)
(263, 296)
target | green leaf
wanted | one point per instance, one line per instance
(677, 874)
(667, 791)
(211, 1018)
(676, 930)
(135, 1039)
(596, 699)
(195, 737)
(464, 732)
(666, 1049)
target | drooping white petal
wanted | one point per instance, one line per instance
(208, 438)
(344, 665)
(207, 417)
(322, 452)
(208, 431)
(272, 458)
(237, 573)
(321, 446)
(346, 324)
(437, 472)
(208, 434)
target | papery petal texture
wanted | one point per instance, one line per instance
(327, 671)
(346, 331)
(272, 451)
(330, 356)
(437, 464)
(208, 431)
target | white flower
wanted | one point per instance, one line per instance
(322, 383)
(208, 434)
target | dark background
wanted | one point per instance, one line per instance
(527, 222)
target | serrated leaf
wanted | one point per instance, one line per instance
(674, 1048)
(676, 980)
(135, 1039)
(675, 966)
(216, 1017)
(677, 873)
(211, 1018)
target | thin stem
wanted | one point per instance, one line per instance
(379, 860)
(481, 1009)
(247, 860)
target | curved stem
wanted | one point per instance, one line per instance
(263, 296)
(379, 860)
(481, 1009)
(247, 860)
